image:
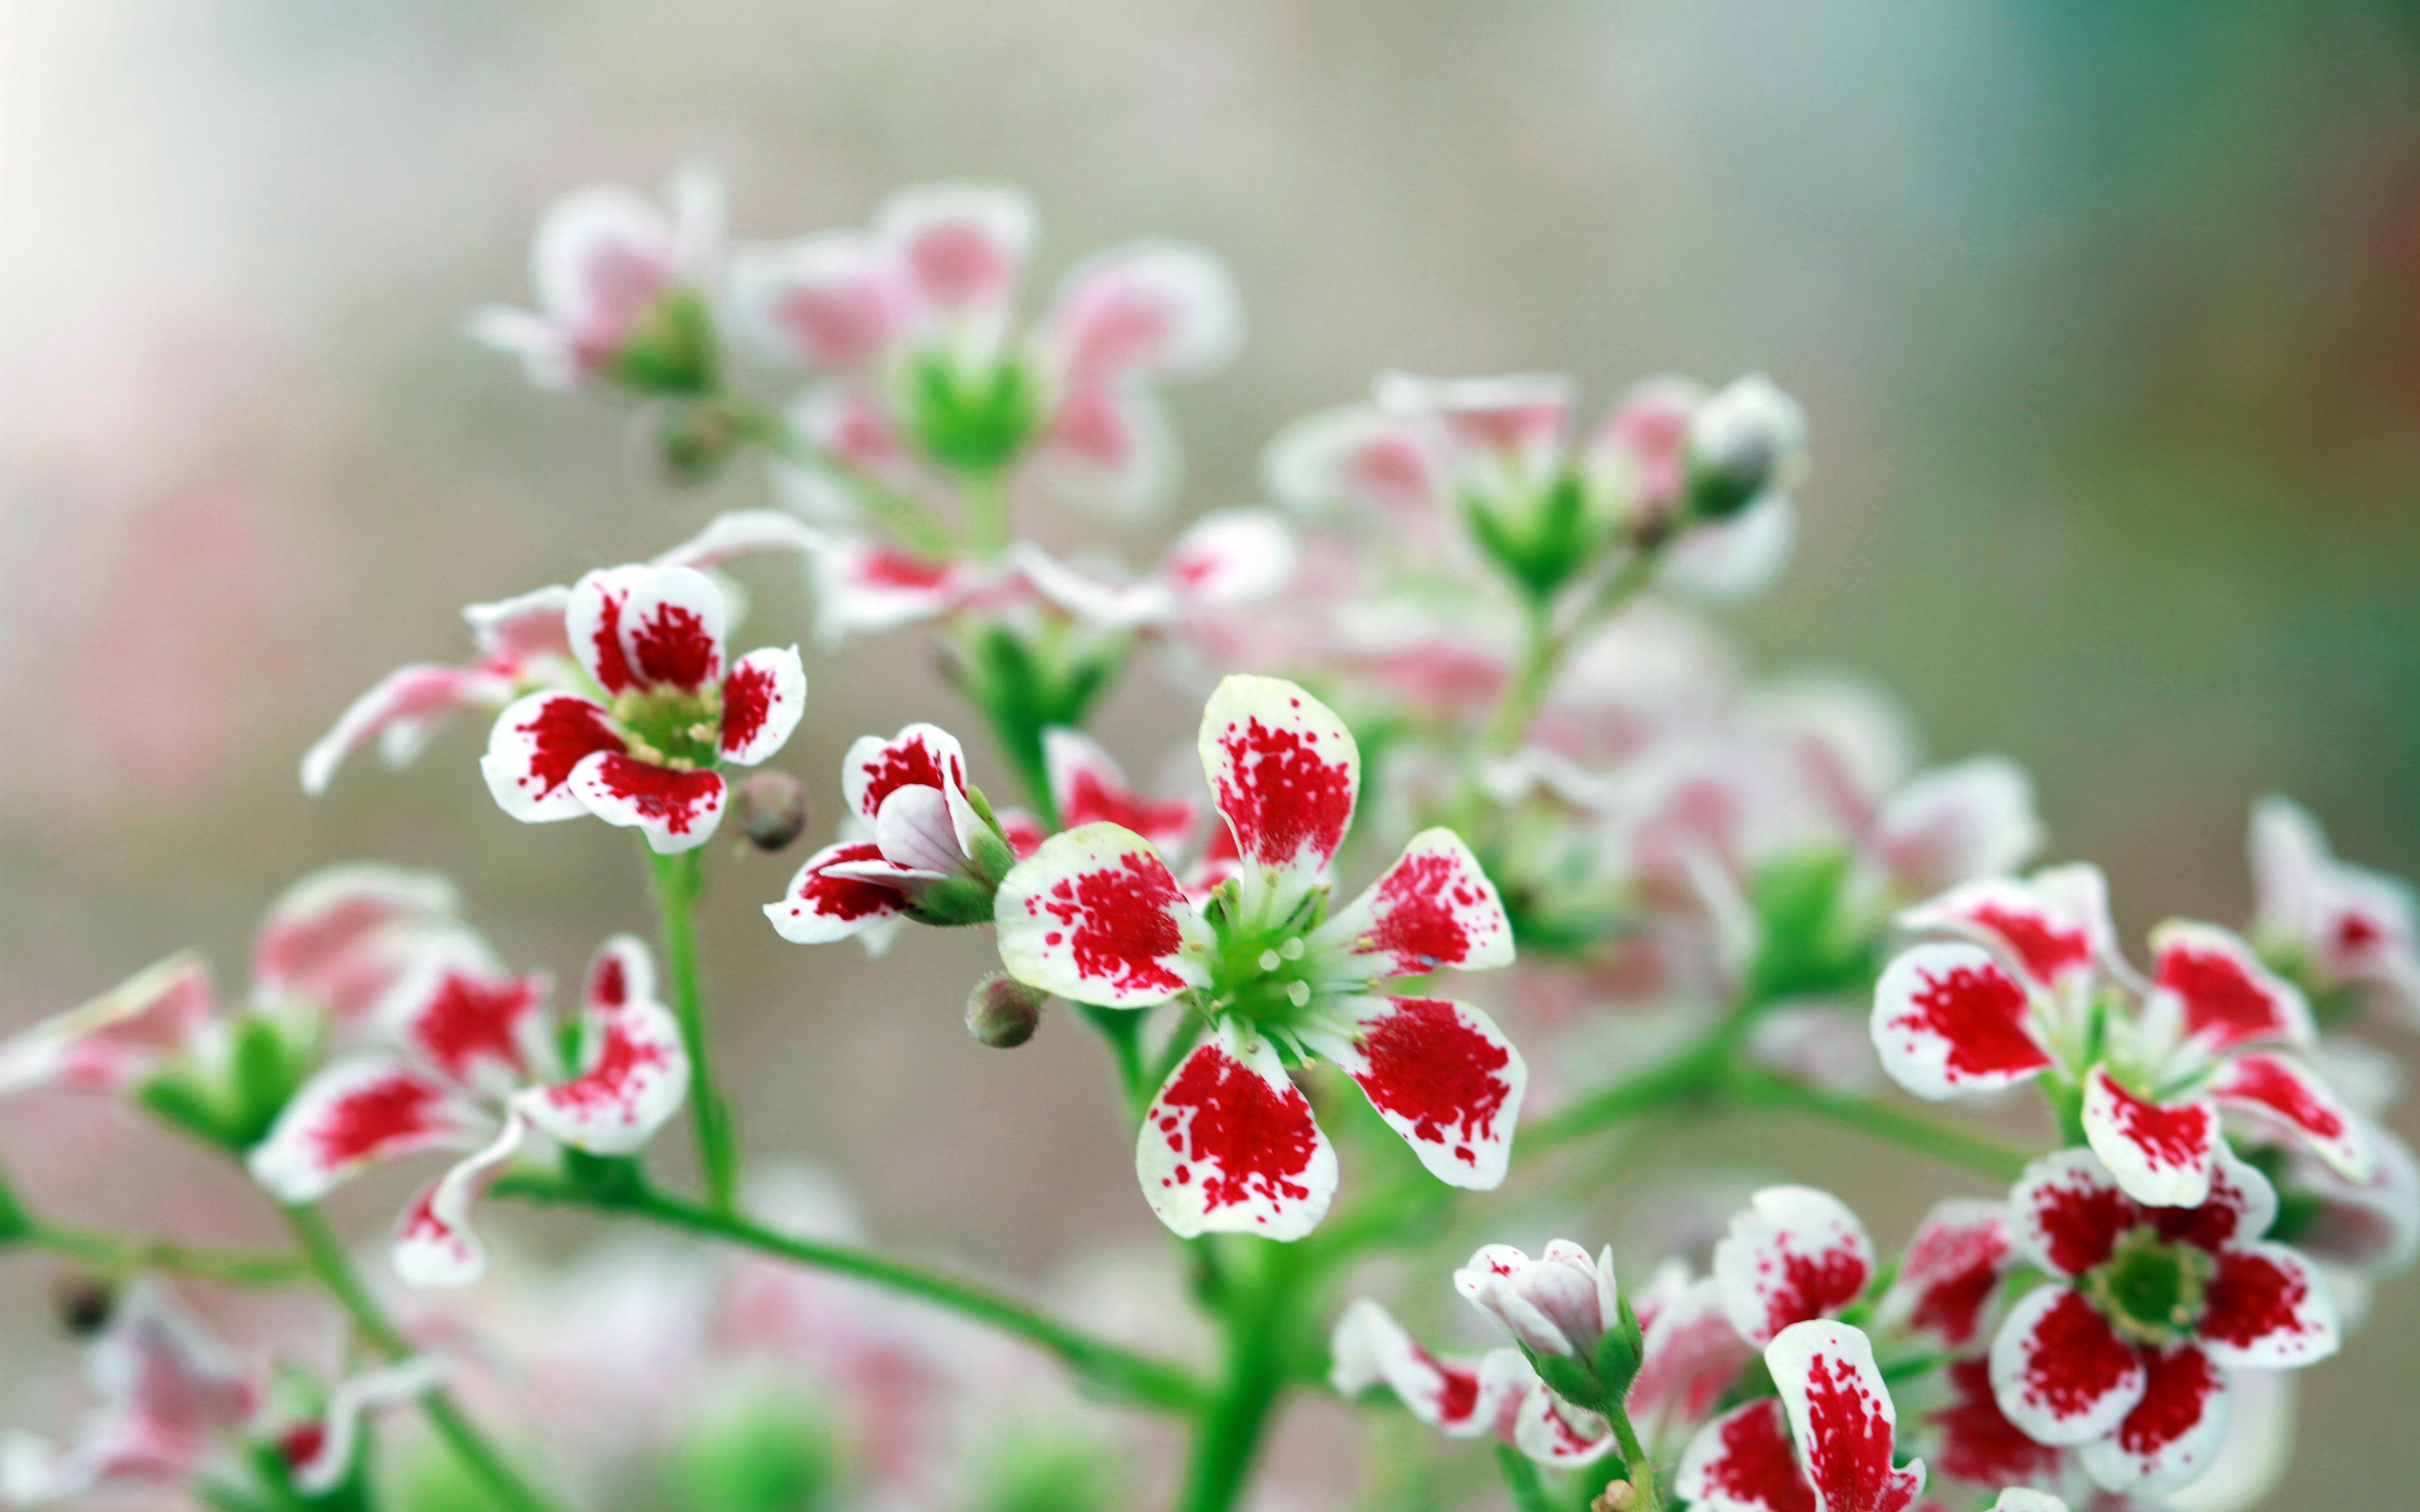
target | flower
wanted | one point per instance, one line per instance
(1492, 1396)
(2037, 986)
(2335, 927)
(1791, 1255)
(1561, 1302)
(1825, 1445)
(915, 323)
(2126, 1352)
(623, 288)
(477, 1061)
(646, 750)
(1228, 1143)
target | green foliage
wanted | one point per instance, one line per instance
(770, 1452)
(15, 1222)
(1810, 945)
(1035, 1468)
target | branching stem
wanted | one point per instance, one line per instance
(680, 879)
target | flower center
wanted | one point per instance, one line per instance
(1260, 976)
(671, 727)
(2151, 1289)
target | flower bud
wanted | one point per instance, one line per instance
(1619, 1496)
(84, 1303)
(1002, 1011)
(687, 444)
(1745, 441)
(772, 810)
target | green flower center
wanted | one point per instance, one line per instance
(1263, 971)
(668, 727)
(2151, 1289)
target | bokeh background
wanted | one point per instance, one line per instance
(2108, 319)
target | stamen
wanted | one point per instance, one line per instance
(1270, 961)
(1298, 993)
(1292, 949)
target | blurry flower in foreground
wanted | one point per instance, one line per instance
(1228, 1144)
(479, 1060)
(2334, 926)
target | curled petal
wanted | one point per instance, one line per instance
(2065, 1212)
(515, 633)
(1559, 1304)
(1096, 917)
(2281, 1089)
(474, 1027)
(2053, 926)
(1793, 1253)
(2161, 1152)
(633, 1067)
(1949, 1019)
(1465, 1398)
(1284, 772)
(116, 1039)
(922, 755)
(761, 699)
(435, 1244)
(1953, 1265)
(344, 935)
(332, 1437)
(2220, 993)
(1441, 1074)
(827, 302)
(1841, 1414)
(2058, 1371)
(820, 906)
(1743, 1461)
(1433, 910)
(1093, 601)
(354, 1113)
(537, 745)
(2267, 1310)
(1088, 788)
(1552, 1431)
(677, 810)
(1230, 557)
(1943, 827)
(1229, 1145)
(743, 533)
(2172, 1434)
(405, 708)
(1161, 307)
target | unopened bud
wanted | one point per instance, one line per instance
(1746, 440)
(84, 1303)
(1620, 1496)
(686, 444)
(772, 810)
(1002, 1011)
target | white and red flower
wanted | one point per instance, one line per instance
(1228, 1143)
(2336, 926)
(1465, 1398)
(1794, 1254)
(2126, 1353)
(667, 713)
(2036, 987)
(1826, 1444)
(1947, 1282)
(1562, 1303)
(479, 1061)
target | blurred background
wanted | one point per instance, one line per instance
(2108, 321)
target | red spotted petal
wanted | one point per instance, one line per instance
(1743, 1461)
(2067, 1212)
(2055, 926)
(593, 622)
(761, 699)
(677, 810)
(2267, 1310)
(1841, 1414)
(1953, 1265)
(1948, 1018)
(1441, 1074)
(2220, 993)
(633, 1068)
(1794, 1254)
(2059, 1372)
(1693, 1355)
(2281, 1089)
(1229, 1145)
(1974, 1441)
(2239, 1208)
(1284, 771)
(404, 709)
(1433, 910)
(356, 1113)
(1022, 830)
(1089, 789)
(534, 748)
(1096, 917)
(435, 1244)
(341, 938)
(819, 907)
(922, 755)
(863, 586)
(1553, 1432)
(474, 1027)
(2172, 1434)
(672, 628)
(2160, 1152)
(1465, 1398)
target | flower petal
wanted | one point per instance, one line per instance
(535, 746)
(474, 1027)
(354, 1113)
(435, 1244)
(1161, 307)
(827, 303)
(1502, 434)
(1974, 1441)
(2239, 1208)
(2220, 993)
(2267, 1310)
(1433, 910)
(1441, 1074)
(1230, 557)
(1229, 1145)
(1724, 561)
(1691, 1356)
(1743, 1461)
(634, 1068)
(1793, 1253)
(2280, 1090)
(1465, 1398)
(672, 627)
(761, 699)
(1284, 772)
(922, 755)
(1841, 1414)
(514, 634)
(677, 810)
(112, 1042)
(2161, 1152)
(1359, 459)
(343, 937)
(865, 586)
(2065, 1212)
(2058, 1371)
(1945, 826)
(333, 1436)
(1552, 1431)
(1953, 1265)
(743, 533)
(1096, 917)
(1088, 788)
(960, 247)
(2055, 925)
(593, 622)
(600, 257)
(819, 907)
(1092, 601)
(2172, 1434)
(1949, 1019)
(415, 700)
(1109, 450)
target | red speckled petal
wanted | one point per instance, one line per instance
(1089, 789)
(865, 586)
(1096, 917)
(356, 1113)
(1284, 772)
(2160, 1152)
(1553, 1432)
(2058, 1371)
(1164, 307)
(1974, 1441)
(404, 709)
(2219, 992)
(2067, 1212)
(474, 1027)
(1743, 1461)
(1229, 1145)
(1953, 1266)
(922, 755)
(677, 810)
(536, 743)
(116, 1039)
(1841, 1414)
(2282, 1090)
(435, 1244)
(2055, 926)
(672, 628)
(634, 1071)
(2172, 1434)
(761, 699)
(819, 907)
(1464, 1398)
(1442, 1075)
(1949, 1019)
(341, 938)
(1433, 910)
(593, 622)
(1794, 1254)
(2267, 1310)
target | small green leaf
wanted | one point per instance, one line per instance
(15, 1222)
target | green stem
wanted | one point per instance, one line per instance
(1122, 1029)
(1694, 1072)
(1227, 1430)
(903, 517)
(680, 879)
(986, 499)
(335, 1271)
(1918, 1132)
(109, 1252)
(1548, 646)
(1119, 1371)
(1636, 1468)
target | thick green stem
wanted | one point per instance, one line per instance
(1636, 1467)
(1112, 1368)
(1918, 1132)
(111, 1253)
(335, 1271)
(1258, 1312)
(679, 878)
(986, 497)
